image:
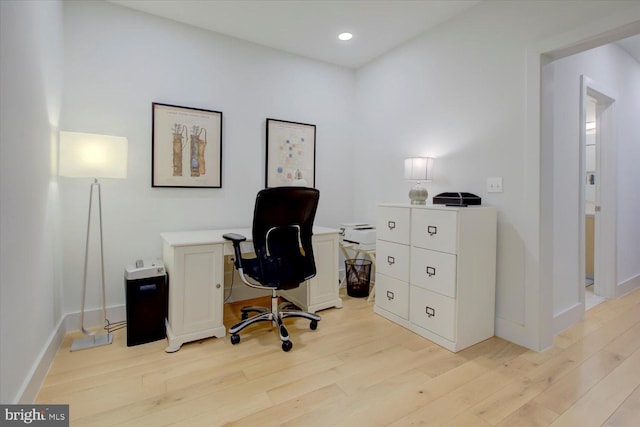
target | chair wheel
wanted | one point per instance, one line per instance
(286, 345)
(313, 325)
(235, 339)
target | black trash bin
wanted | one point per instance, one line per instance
(147, 293)
(358, 274)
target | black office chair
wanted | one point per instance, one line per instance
(282, 229)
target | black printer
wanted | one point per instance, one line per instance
(456, 199)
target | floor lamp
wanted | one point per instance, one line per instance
(84, 155)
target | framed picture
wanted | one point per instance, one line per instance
(186, 147)
(291, 154)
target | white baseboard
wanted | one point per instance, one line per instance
(516, 333)
(628, 286)
(31, 385)
(69, 322)
(93, 318)
(569, 317)
(575, 314)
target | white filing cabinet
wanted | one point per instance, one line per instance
(437, 271)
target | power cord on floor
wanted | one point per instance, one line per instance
(112, 327)
(233, 275)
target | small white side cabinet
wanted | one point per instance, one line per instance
(436, 271)
(196, 293)
(322, 291)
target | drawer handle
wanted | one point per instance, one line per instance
(391, 225)
(391, 260)
(432, 230)
(431, 312)
(431, 271)
(390, 295)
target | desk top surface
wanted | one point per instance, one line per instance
(210, 237)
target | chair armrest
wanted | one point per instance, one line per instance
(236, 239)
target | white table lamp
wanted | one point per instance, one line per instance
(418, 169)
(85, 155)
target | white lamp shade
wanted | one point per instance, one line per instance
(418, 169)
(88, 155)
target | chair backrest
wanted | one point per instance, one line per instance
(282, 229)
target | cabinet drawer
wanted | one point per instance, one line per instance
(433, 270)
(392, 259)
(392, 295)
(433, 311)
(435, 229)
(392, 224)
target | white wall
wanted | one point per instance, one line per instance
(611, 67)
(118, 61)
(457, 93)
(30, 285)
(628, 227)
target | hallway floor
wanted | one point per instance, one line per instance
(591, 299)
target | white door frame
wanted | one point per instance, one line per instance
(605, 224)
(537, 329)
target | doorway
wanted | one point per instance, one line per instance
(540, 279)
(598, 184)
(591, 174)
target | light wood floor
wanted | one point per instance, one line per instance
(358, 369)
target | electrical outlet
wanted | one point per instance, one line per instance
(494, 185)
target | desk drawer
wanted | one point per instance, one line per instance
(433, 311)
(433, 270)
(435, 229)
(392, 259)
(392, 295)
(392, 224)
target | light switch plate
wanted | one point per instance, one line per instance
(494, 185)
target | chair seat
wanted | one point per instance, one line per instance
(253, 270)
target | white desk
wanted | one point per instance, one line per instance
(195, 263)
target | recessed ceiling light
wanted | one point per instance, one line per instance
(345, 36)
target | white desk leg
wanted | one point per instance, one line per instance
(343, 249)
(372, 291)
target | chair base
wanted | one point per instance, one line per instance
(276, 316)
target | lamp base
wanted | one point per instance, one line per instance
(92, 341)
(418, 195)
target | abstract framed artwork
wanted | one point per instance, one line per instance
(291, 154)
(186, 147)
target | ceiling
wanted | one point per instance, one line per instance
(310, 28)
(631, 45)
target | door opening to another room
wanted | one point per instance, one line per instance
(591, 178)
(598, 184)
